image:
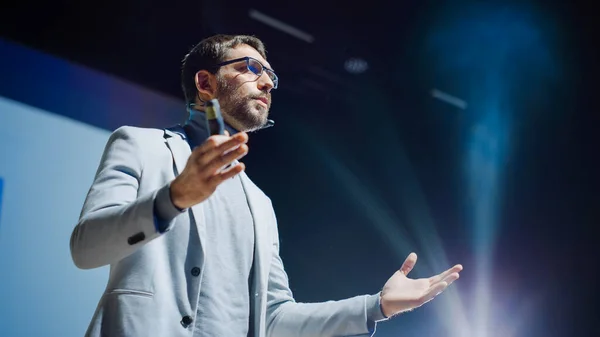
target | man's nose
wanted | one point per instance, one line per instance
(265, 83)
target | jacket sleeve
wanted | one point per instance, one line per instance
(356, 316)
(115, 220)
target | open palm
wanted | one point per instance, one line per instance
(401, 293)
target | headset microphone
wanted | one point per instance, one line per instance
(269, 124)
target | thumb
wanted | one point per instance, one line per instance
(409, 263)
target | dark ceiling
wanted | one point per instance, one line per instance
(144, 41)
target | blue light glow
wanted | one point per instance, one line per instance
(488, 53)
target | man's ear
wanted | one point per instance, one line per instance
(206, 84)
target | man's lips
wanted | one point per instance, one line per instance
(263, 99)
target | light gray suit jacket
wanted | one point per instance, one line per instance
(150, 288)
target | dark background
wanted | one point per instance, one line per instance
(548, 209)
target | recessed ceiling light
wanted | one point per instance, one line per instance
(356, 65)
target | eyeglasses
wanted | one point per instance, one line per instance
(255, 67)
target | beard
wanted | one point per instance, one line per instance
(242, 112)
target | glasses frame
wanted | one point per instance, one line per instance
(247, 59)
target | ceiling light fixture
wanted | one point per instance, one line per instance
(282, 26)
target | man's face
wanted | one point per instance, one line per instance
(244, 97)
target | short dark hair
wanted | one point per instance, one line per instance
(209, 52)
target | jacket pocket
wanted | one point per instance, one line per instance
(130, 292)
(127, 312)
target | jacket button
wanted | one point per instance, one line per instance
(186, 321)
(195, 271)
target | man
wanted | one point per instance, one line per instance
(192, 243)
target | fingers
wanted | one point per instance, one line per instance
(434, 291)
(436, 288)
(215, 146)
(409, 263)
(217, 152)
(440, 277)
(224, 160)
(226, 174)
(205, 169)
(451, 278)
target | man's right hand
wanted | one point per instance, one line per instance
(205, 169)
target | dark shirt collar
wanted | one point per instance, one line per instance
(197, 130)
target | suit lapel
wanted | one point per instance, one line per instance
(180, 150)
(262, 234)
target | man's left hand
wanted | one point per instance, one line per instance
(401, 293)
